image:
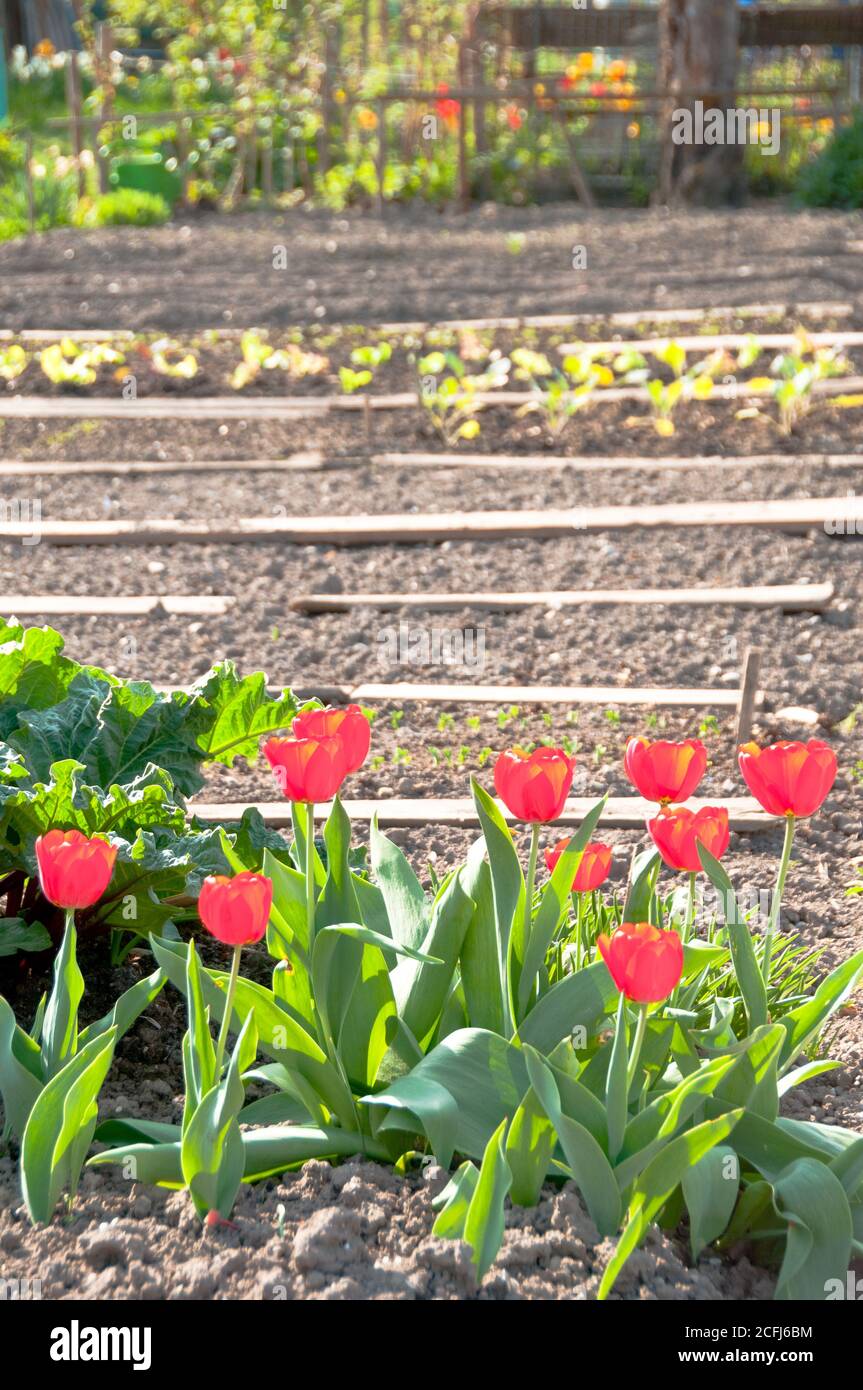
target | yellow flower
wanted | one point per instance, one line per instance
(340, 95)
(584, 62)
(633, 130)
(539, 89)
(825, 125)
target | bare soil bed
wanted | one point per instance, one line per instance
(417, 264)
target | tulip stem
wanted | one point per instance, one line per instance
(226, 1016)
(310, 875)
(635, 1046)
(579, 927)
(531, 880)
(690, 910)
(773, 919)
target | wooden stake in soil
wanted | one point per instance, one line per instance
(748, 693)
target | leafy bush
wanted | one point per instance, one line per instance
(81, 749)
(124, 207)
(835, 178)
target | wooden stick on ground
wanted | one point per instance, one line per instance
(137, 606)
(812, 598)
(837, 515)
(621, 813)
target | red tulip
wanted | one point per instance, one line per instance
(591, 872)
(350, 725)
(74, 871)
(307, 769)
(236, 910)
(789, 779)
(534, 786)
(645, 963)
(665, 771)
(445, 106)
(677, 833)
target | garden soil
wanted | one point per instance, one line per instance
(359, 1231)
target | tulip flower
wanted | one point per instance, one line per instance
(593, 869)
(677, 832)
(790, 780)
(349, 724)
(74, 871)
(308, 769)
(645, 963)
(665, 771)
(236, 912)
(534, 786)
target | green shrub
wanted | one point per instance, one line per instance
(835, 178)
(124, 207)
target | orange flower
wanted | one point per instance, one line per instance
(236, 910)
(645, 963)
(534, 785)
(73, 870)
(348, 724)
(677, 832)
(366, 118)
(591, 872)
(665, 771)
(307, 769)
(789, 779)
(616, 71)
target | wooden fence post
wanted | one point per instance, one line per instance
(31, 198)
(104, 48)
(748, 693)
(382, 153)
(73, 101)
(463, 174)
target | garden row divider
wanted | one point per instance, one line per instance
(790, 514)
(792, 598)
(311, 462)
(239, 407)
(316, 462)
(612, 463)
(711, 342)
(116, 606)
(621, 812)
(814, 309)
